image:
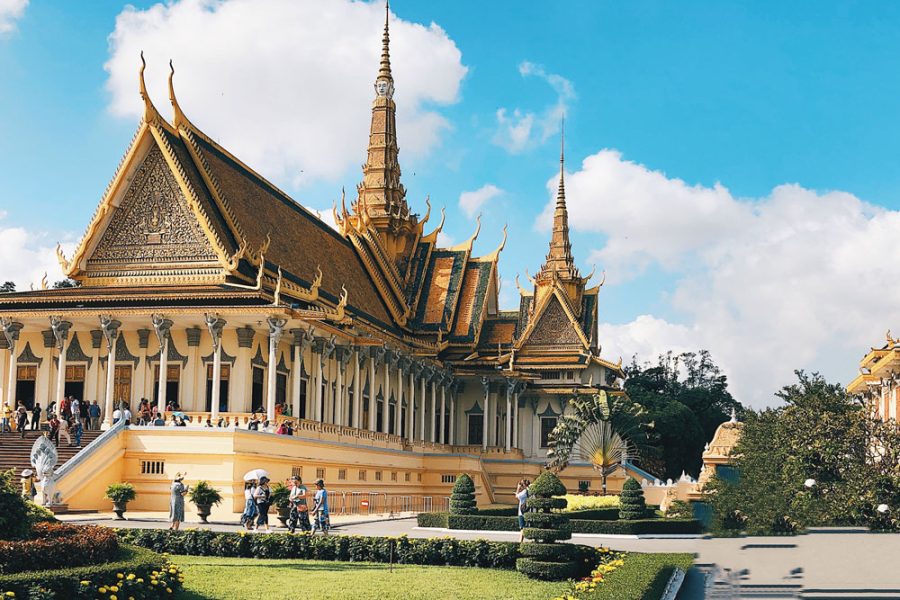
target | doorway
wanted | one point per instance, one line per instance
(224, 376)
(122, 385)
(256, 394)
(75, 375)
(26, 376)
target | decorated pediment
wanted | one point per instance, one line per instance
(553, 326)
(153, 223)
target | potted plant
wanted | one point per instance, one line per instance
(204, 497)
(281, 498)
(120, 494)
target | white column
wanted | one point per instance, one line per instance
(443, 408)
(215, 326)
(60, 330)
(162, 327)
(398, 412)
(434, 383)
(386, 413)
(3, 378)
(296, 380)
(484, 416)
(509, 411)
(452, 439)
(110, 329)
(10, 330)
(357, 389)
(276, 328)
(411, 405)
(515, 430)
(422, 411)
(372, 392)
(339, 389)
(317, 412)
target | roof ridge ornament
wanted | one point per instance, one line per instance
(151, 115)
(180, 119)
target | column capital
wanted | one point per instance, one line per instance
(162, 326)
(60, 329)
(403, 361)
(303, 337)
(245, 336)
(110, 329)
(343, 355)
(215, 325)
(276, 327)
(324, 346)
(10, 331)
(391, 357)
(377, 353)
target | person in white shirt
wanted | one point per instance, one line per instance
(522, 497)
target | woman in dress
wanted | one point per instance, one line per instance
(176, 502)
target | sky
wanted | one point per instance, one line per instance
(731, 167)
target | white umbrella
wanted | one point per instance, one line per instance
(256, 474)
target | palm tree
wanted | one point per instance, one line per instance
(603, 448)
(603, 429)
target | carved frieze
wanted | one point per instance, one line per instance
(554, 328)
(153, 223)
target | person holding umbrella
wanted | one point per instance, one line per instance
(262, 496)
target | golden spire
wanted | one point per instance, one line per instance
(559, 259)
(384, 72)
(180, 119)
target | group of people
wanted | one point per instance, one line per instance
(68, 419)
(258, 500)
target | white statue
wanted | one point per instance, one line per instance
(44, 458)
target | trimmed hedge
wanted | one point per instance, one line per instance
(548, 560)
(66, 583)
(58, 545)
(591, 514)
(631, 500)
(434, 551)
(601, 527)
(462, 499)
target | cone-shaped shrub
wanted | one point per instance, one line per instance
(631, 501)
(542, 557)
(462, 499)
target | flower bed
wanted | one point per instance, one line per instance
(631, 576)
(134, 573)
(404, 550)
(599, 527)
(57, 545)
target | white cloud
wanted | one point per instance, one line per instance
(287, 85)
(518, 130)
(26, 255)
(10, 12)
(797, 279)
(471, 202)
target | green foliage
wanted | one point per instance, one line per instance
(584, 486)
(603, 430)
(280, 495)
(822, 434)
(434, 551)
(203, 494)
(641, 576)
(55, 545)
(544, 528)
(462, 499)
(66, 583)
(7, 287)
(679, 509)
(631, 501)
(14, 521)
(120, 492)
(547, 485)
(686, 397)
(600, 527)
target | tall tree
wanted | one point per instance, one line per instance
(686, 396)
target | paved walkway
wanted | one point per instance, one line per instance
(823, 563)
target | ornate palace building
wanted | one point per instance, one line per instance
(201, 284)
(878, 382)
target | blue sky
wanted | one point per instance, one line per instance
(749, 96)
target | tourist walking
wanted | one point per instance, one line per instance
(75, 408)
(64, 430)
(299, 508)
(36, 417)
(77, 431)
(21, 420)
(94, 413)
(53, 424)
(522, 497)
(176, 501)
(320, 508)
(84, 414)
(249, 504)
(262, 496)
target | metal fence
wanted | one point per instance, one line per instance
(372, 503)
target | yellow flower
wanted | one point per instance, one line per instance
(114, 588)
(10, 594)
(130, 576)
(154, 582)
(120, 576)
(102, 590)
(140, 580)
(85, 583)
(113, 597)
(169, 590)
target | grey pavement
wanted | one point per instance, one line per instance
(824, 563)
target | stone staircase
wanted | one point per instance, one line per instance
(15, 453)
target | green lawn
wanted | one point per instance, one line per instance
(237, 578)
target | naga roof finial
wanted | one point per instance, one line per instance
(180, 119)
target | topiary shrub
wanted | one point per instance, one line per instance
(542, 557)
(631, 501)
(462, 499)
